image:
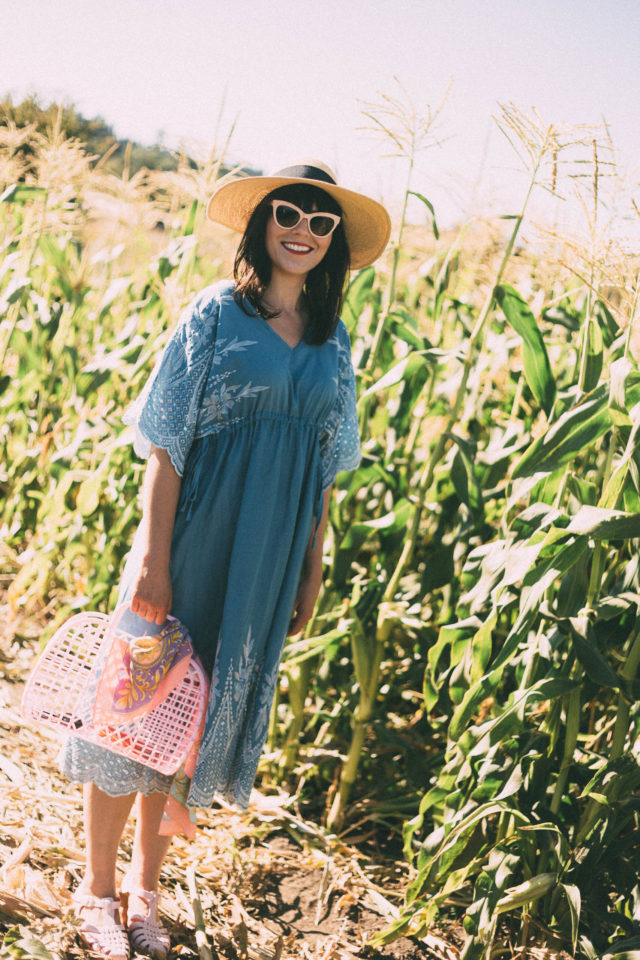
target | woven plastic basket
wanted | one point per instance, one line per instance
(59, 693)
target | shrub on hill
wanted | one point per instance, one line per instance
(94, 132)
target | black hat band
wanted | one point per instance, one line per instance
(305, 172)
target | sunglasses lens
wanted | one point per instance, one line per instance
(286, 216)
(321, 226)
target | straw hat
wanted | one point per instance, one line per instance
(366, 222)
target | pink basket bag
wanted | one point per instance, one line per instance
(122, 683)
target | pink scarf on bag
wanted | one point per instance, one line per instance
(178, 816)
(139, 673)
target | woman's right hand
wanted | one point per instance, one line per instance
(152, 595)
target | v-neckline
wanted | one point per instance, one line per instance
(281, 339)
(275, 333)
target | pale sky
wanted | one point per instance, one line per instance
(292, 75)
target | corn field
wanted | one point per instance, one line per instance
(468, 686)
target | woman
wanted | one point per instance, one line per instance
(246, 422)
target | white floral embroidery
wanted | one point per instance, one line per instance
(238, 711)
(218, 404)
(232, 346)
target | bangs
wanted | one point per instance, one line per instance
(306, 197)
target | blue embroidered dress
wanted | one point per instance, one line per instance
(257, 430)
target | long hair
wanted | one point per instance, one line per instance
(324, 285)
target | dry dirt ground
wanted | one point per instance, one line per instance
(270, 885)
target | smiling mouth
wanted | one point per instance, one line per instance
(297, 247)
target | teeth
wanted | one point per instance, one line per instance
(297, 246)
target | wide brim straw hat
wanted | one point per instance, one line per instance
(366, 222)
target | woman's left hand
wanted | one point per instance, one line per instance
(305, 602)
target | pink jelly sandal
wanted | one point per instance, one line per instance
(140, 914)
(107, 938)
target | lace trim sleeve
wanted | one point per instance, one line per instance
(340, 435)
(166, 412)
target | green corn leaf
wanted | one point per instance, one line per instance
(527, 892)
(56, 256)
(537, 369)
(511, 720)
(358, 295)
(89, 495)
(564, 316)
(430, 208)
(20, 193)
(481, 646)
(609, 608)
(544, 573)
(173, 255)
(117, 287)
(594, 355)
(325, 644)
(403, 326)
(537, 582)
(631, 498)
(624, 950)
(29, 948)
(617, 483)
(400, 371)
(463, 477)
(616, 779)
(358, 533)
(441, 848)
(588, 949)
(191, 219)
(450, 846)
(16, 291)
(537, 516)
(586, 648)
(605, 524)
(397, 928)
(448, 636)
(619, 374)
(609, 326)
(576, 430)
(584, 490)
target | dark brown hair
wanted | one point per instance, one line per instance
(324, 285)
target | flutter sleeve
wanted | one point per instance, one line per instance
(166, 412)
(340, 435)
